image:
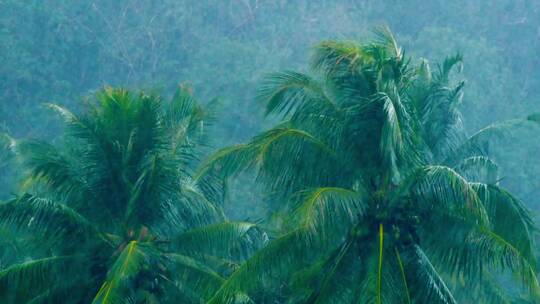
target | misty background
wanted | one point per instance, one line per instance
(63, 51)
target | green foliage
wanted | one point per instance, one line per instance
(383, 127)
(380, 194)
(114, 206)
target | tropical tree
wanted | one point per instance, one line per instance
(387, 199)
(112, 215)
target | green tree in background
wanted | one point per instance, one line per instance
(388, 200)
(112, 214)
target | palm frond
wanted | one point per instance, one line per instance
(333, 58)
(473, 249)
(385, 37)
(77, 127)
(229, 161)
(478, 169)
(186, 121)
(276, 262)
(328, 213)
(194, 275)
(444, 69)
(424, 279)
(509, 218)
(47, 165)
(195, 202)
(285, 146)
(330, 280)
(505, 256)
(230, 240)
(407, 293)
(394, 131)
(21, 281)
(124, 269)
(444, 190)
(289, 91)
(51, 220)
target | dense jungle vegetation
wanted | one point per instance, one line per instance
(250, 151)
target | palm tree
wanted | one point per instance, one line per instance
(388, 200)
(113, 215)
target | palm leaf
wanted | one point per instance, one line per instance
(21, 281)
(275, 263)
(444, 190)
(424, 279)
(327, 211)
(478, 169)
(124, 269)
(193, 275)
(229, 240)
(51, 220)
(289, 91)
(285, 146)
(330, 280)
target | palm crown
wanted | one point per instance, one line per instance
(115, 210)
(388, 200)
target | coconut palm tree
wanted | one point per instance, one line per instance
(112, 215)
(385, 198)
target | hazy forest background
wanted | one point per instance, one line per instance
(61, 52)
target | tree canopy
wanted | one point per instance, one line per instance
(373, 179)
(113, 214)
(388, 199)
